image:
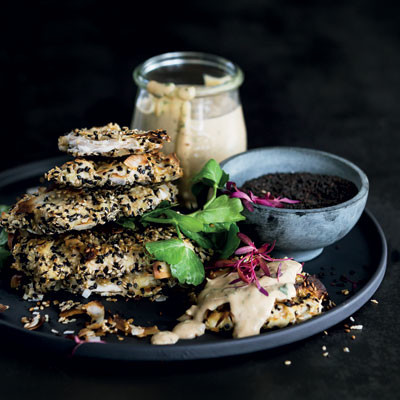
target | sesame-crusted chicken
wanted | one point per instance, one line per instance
(143, 169)
(62, 210)
(111, 141)
(310, 295)
(108, 261)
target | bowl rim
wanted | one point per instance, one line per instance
(362, 193)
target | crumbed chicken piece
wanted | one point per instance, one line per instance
(310, 294)
(62, 210)
(108, 261)
(143, 169)
(111, 141)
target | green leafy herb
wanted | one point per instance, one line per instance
(185, 221)
(221, 209)
(200, 238)
(217, 227)
(171, 250)
(213, 226)
(4, 253)
(128, 223)
(3, 238)
(184, 263)
(190, 269)
(232, 242)
(210, 176)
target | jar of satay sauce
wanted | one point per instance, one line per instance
(195, 98)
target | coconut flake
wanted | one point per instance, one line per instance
(86, 293)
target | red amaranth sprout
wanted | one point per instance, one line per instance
(249, 199)
(251, 258)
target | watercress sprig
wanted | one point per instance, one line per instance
(213, 226)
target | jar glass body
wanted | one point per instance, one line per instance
(195, 98)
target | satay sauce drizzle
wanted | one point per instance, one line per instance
(250, 308)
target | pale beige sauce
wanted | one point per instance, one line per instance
(164, 337)
(250, 308)
(188, 329)
(200, 128)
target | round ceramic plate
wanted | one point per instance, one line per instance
(356, 263)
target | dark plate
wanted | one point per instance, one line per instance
(358, 258)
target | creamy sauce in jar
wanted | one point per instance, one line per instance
(200, 127)
(250, 309)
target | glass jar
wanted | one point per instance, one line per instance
(195, 98)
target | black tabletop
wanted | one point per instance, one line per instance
(323, 75)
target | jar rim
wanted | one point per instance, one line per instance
(192, 57)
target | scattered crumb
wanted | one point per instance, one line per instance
(120, 338)
(323, 348)
(374, 301)
(68, 332)
(352, 319)
(86, 293)
(64, 320)
(345, 292)
(288, 362)
(326, 354)
(353, 337)
(3, 308)
(356, 327)
(326, 333)
(347, 330)
(346, 349)
(55, 331)
(113, 299)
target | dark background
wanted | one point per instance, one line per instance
(319, 74)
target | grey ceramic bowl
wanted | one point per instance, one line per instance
(301, 234)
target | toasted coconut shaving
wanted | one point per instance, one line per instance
(99, 326)
(3, 308)
(148, 331)
(95, 310)
(33, 323)
(15, 281)
(128, 328)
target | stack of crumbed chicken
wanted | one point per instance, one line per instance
(63, 237)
